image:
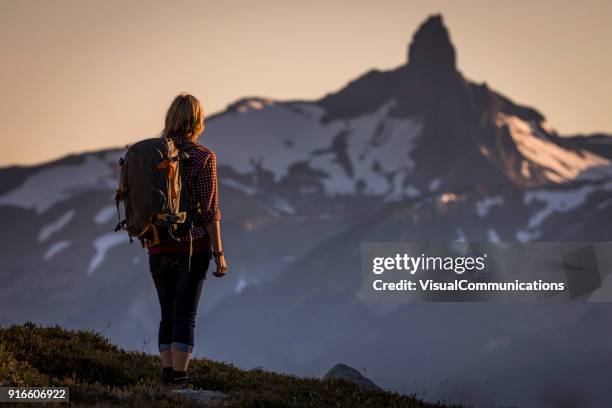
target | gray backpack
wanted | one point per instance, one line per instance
(152, 191)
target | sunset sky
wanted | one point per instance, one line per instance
(79, 75)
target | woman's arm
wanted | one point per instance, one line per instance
(208, 202)
(214, 233)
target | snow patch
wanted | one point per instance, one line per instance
(484, 206)
(50, 229)
(240, 285)
(103, 244)
(251, 104)
(283, 206)
(559, 201)
(412, 192)
(492, 236)
(238, 186)
(55, 249)
(526, 236)
(105, 214)
(460, 235)
(56, 184)
(435, 184)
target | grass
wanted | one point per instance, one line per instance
(99, 373)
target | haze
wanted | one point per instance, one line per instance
(84, 75)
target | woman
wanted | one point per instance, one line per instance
(177, 271)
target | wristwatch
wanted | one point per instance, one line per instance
(217, 254)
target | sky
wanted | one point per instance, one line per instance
(81, 75)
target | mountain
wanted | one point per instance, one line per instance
(419, 152)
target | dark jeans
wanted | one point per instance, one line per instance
(179, 291)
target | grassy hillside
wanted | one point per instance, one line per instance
(100, 373)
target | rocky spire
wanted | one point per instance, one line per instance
(431, 50)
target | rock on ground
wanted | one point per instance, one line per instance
(344, 372)
(207, 396)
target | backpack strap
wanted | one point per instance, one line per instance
(184, 147)
(120, 195)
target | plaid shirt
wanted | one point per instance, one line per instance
(200, 184)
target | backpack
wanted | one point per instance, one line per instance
(152, 192)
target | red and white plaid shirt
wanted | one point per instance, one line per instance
(200, 176)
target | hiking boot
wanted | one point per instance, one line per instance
(181, 380)
(167, 375)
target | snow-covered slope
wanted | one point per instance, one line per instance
(417, 152)
(357, 154)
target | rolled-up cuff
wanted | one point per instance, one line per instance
(185, 348)
(164, 347)
(209, 217)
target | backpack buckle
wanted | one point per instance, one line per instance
(172, 218)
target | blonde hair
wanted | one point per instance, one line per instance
(185, 117)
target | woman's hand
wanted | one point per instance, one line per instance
(221, 266)
(214, 233)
